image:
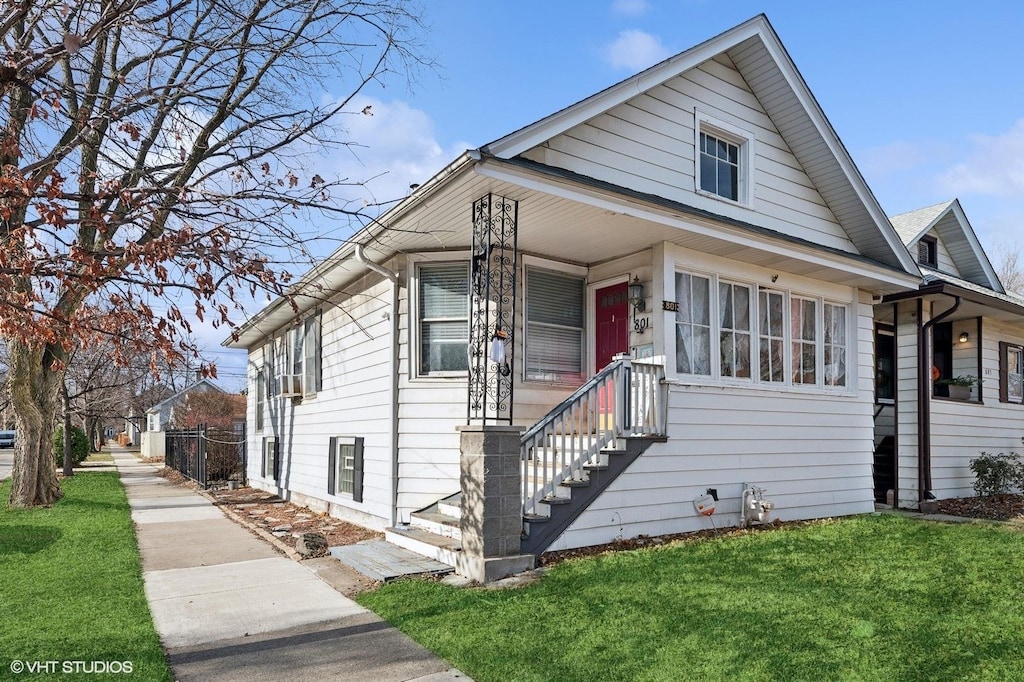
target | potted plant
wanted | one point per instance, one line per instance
(960, 387)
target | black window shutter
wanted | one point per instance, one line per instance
(277, 461)
(1004, 389)
(263, 461)
(332, 466)
(357, 472)
(319, 350)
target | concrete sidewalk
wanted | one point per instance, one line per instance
(227, 606)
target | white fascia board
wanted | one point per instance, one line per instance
(831, 139)
(979, 252)
(694, 224)
(516, 143)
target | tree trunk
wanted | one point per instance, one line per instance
(34, 387)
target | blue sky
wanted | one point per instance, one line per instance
(928, 97)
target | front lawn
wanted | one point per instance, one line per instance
(866, 598)
(71, 588)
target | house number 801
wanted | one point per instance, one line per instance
(640, 324)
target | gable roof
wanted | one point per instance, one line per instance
(764, 63)
(951, 226)
(207, 384)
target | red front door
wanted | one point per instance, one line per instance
(612, 317)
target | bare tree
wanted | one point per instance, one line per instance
(151, 162)
(1009, 268)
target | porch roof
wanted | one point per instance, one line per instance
(976, 300)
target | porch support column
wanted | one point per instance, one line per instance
(492, 504)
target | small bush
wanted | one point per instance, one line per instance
(79, 445)
(997, 474)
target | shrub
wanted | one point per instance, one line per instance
(79, 445)
(997, 474)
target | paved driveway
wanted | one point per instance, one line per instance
(6, 463)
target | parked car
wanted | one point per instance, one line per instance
(6, 439)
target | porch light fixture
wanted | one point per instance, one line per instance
(636, 294)
(964, 337)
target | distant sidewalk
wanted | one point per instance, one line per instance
(227, 606)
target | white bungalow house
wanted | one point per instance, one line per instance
(161, 415)
(666, 288)
(960, 323)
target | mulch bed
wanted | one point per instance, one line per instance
(992, 507)
(269, 512)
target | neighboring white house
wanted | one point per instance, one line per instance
(161, 415)
(967, 326)
(701, 217)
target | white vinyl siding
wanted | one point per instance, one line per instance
(554, 326)
(650, 144)
(443, 318)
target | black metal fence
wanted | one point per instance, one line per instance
(208, 456)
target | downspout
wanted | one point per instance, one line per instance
(392, 277)
(924, 402)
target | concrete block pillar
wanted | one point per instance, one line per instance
(492, 512)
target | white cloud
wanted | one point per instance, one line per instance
(994, 167)
(635, 50)
(631, 8)
(393, 148)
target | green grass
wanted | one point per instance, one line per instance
(865, 598)
(102, 456)
(71, 584)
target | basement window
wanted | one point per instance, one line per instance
(345, 467)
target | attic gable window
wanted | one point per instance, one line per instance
(722, 167)
(927, 251)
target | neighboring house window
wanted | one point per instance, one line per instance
(271, 459)
(153, 422)
(796, 335)
(927, 251)
(719, 166)
(734, 329)
(345, 467)
(803, 318)
(693, 324)
(443, 318)
(772, 335)
(261, 398)
(1011, 373)
(554, 326)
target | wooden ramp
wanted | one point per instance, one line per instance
(380, 560)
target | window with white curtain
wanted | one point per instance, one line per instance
(443, 317)
(693, 324)
(800, 340)
(554, 326)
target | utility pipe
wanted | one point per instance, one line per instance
(924, 398)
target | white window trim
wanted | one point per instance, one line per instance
(586, 350)
(415, 262)
(788, 385)
(743, 138)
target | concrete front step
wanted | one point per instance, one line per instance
(439, 524)
(443, 549)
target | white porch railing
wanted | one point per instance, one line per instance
(626, 398)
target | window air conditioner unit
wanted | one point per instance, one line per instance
(290, 385)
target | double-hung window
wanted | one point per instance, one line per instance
(554, 326)
(693, 324)
(804, 339)
(723, 159)
(835, 341)
(261, 398)
(772, 335)
(345, 467)
(734, 329)
(443, 318)
(302, 356)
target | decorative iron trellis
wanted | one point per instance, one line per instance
(492, 314)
